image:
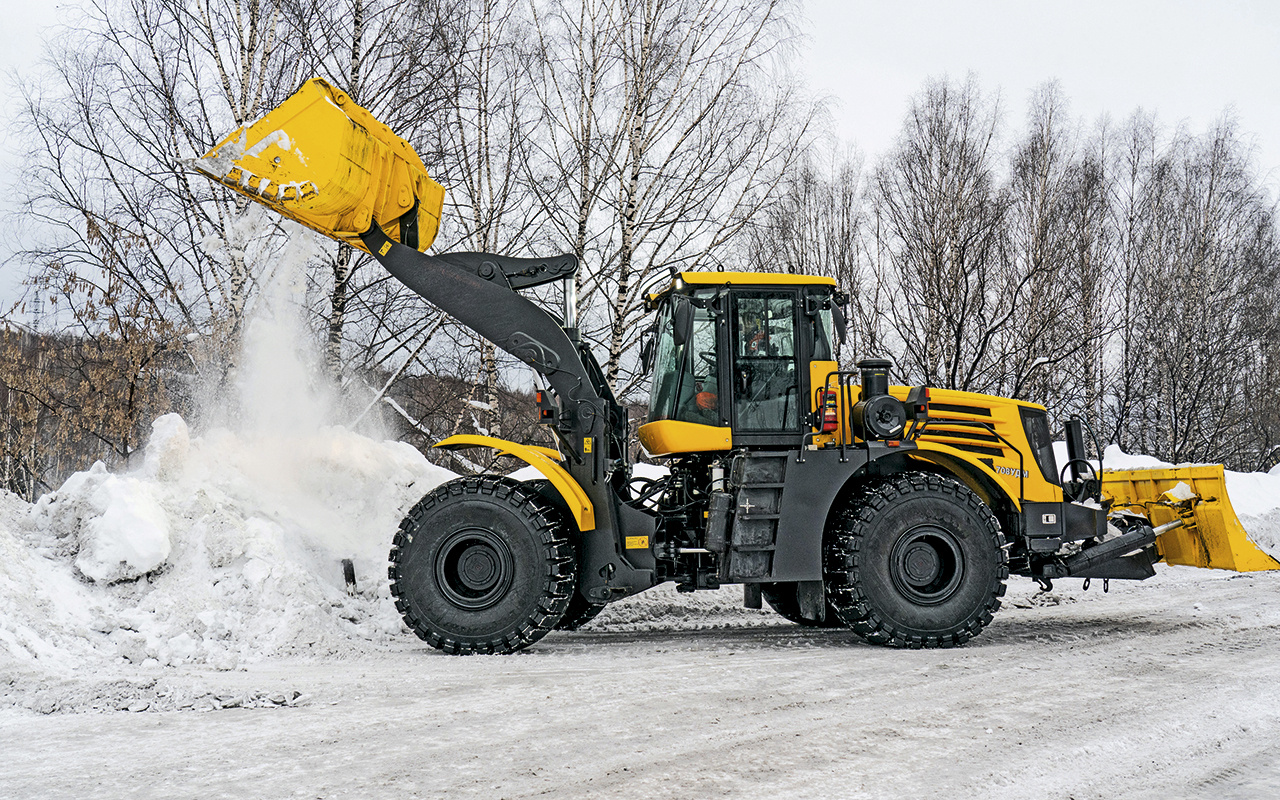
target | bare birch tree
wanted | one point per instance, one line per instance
(940, 215)
(672, 123)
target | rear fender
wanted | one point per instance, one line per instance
(542, 459)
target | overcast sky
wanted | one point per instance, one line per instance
(1187, 61)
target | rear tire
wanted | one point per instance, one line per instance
(781, 597)
(915, 560)
(482, 565)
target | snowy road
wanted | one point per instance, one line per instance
(1168, 688)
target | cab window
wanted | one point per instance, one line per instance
(686, 377)
(765, 386)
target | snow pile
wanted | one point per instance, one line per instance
(1115, 458)
(231, 552)
(1255, 496)
(125, 534)
(224, 547)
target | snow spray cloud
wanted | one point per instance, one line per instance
(281, 391)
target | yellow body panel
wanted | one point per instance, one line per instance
(957, 445)
(1211, 537)
(540, 459)
(320, 159)
(1004, 417)
(963, 466)
(742, 278)
(668, 436)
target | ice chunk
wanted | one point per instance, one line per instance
(129, 535)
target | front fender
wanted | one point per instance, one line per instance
(542, 459)
(973, 473)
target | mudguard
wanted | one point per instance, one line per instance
(979, 477)
(542, 459)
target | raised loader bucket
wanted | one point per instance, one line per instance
(324, 161)
(1211, 535)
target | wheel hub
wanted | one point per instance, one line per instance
(474, 568)
(927, 565)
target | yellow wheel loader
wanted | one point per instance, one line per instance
(836, 497)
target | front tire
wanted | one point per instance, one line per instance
(482, 565)
(915, 560)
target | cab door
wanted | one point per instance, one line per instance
(767, 385)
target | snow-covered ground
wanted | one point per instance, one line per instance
(1169, 688)
(185, 630)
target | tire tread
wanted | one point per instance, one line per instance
(559, 561)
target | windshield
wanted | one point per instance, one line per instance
(686, 377)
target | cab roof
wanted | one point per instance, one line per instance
(743, 278)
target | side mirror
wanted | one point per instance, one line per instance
(681, 320)
(842, 326)
(647, 348)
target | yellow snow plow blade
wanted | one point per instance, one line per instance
(324, 161)
(1211, 535)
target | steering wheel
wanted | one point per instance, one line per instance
(1093, 476)
(710, 358)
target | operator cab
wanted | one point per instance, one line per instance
(735, 356)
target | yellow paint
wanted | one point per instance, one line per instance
(754, 278)
(1212, 536)
(554, 455)
(763, 279)
(536, 457)
(963, 466)
(320, 159)
(668, 436)
(637, 542)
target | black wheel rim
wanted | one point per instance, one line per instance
(474, 568)
(927, 565)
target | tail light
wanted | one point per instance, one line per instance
(830, 420)
(546, 408)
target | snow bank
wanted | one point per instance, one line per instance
(1255, 496)
(221, 549)
(1115, 458)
